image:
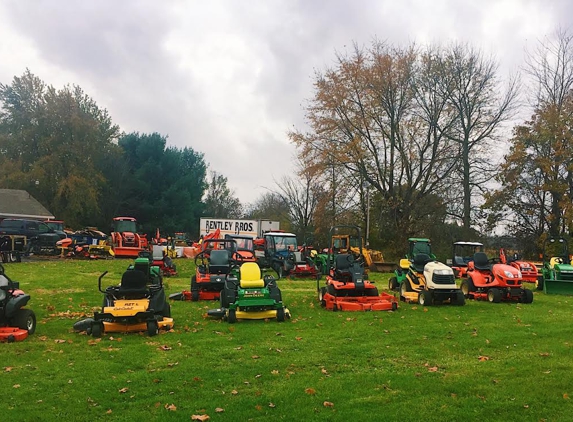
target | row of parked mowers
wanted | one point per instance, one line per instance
(235, 279)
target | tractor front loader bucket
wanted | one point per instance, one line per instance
(558, 287)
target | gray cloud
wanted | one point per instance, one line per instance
(230, 78)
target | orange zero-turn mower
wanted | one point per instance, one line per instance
(16, 322)
(494, 283)
(212, 267)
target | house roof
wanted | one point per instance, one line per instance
(16, 203)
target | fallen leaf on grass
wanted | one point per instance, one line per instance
(324, 371)
(108, 411)
(171, 407)
(16, 386)
(526, 406)
(298, 338)
(219, 410)
(157, 405)
(328, 404)
(483, 358)
(124, 390)
(310, 391)
(274, 372)
(172, 364)
(197, 379)
(272, 405)
(43, 338)
(8, 368)
(259, 407)
(255, 357)
(200, 417)
(544, 354)
(59, 341)
(93, 342)
(565, 396)
(433, 369)
(238, 347)
(165, 347)
(234, 392)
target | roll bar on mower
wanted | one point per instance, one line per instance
(99, 281)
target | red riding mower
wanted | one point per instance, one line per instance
(300, 265)
(15, 321)
(346, 287)
(528, 270)
(212, 267)
(495, 283)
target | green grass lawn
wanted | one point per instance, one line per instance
(481, 361)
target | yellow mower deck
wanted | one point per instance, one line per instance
(116, 327)
(269, 314)
(129, 307)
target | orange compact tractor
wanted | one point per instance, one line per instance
(528, 270)
(347, 288)
(126, 242)
(487, 280)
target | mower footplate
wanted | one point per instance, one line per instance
(12, 334)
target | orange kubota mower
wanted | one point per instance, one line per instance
(487, 280)
(528, 270)
(347, 288)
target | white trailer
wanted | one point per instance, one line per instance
(254, 228)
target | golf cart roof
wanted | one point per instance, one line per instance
(468, 243)
(238, 236)
(419, 239)
(281, 234)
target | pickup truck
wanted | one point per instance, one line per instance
(39, 237)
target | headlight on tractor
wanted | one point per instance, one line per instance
(508, 274)
(443, 272)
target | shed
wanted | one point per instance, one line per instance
(15, 203)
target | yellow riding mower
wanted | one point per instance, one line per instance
(134, 305)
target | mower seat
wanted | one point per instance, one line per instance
(420, 261)
(219, 261)
(133, 284)
(481, 262)
(297, 258)
(251, 276)
(141, 265)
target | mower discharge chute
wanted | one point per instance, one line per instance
(429, 282)
(250, 296)
(16, 322)
(495, 283)
(213, 265)
(347, 287)
(137, 304)
(557, 271)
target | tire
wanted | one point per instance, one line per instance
(281, 314)
(494, 295)
(275, 294)
(232, 316)
(404, 287)
(195, 295)
(540, 282)
(458, 299)
(152, 328)
(425, 298)
(97, 329)
(526, 296)
(25, 319)
(194, 283)
(394, 306)
(393, 284)
(371, 292)
(166, 310)
(321, 294)
(467, 287)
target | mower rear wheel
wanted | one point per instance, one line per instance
(281, 314)
(425, 298)
(467, 287)
(494, 295)
(152, 328)
(25, 319)
(232, 316)
(393, 284)
(194, 295)
(371, 292)
(539, 284)
(526, 296)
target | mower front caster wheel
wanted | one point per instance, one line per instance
(232, 316)
(425, 298)
(152, 328)
(97, 329)
(281, 314)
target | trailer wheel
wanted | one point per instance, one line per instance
(494, 295)
(232, 316)
(540, 282)
(526, 296)
(281, 314)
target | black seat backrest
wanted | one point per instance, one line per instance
(420, 261)
(133, 281)
(219, 261)
(343, 262)
(481, 261)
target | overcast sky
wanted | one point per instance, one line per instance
(230, 78)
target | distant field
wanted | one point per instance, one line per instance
(482, 361)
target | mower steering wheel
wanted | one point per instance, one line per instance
(200, 255)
